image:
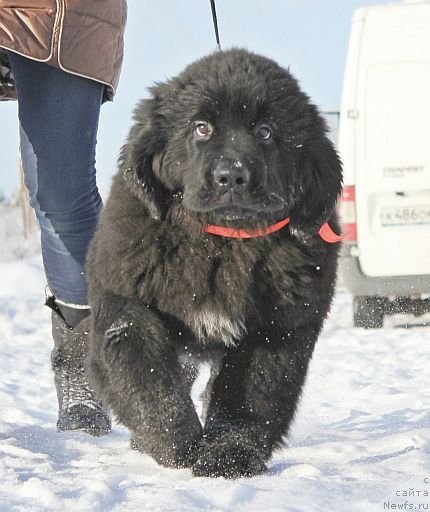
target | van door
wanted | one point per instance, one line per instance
(393, 141)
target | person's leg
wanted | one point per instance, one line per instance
(58, 114)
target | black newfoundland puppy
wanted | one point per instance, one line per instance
(217, 243)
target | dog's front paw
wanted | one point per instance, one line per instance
(228, 455)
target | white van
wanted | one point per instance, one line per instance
(384, 142)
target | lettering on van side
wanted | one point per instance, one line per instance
(399, 172)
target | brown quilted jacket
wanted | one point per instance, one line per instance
(83, 37)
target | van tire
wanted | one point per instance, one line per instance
(368, 311)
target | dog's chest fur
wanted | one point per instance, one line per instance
(208, 325)
(217, 288)
(207, 287)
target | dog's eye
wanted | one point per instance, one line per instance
(203, 129)
(264, 132)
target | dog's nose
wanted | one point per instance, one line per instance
(231, 174)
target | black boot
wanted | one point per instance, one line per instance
(78, 407)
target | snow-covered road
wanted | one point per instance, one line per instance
(360, 441)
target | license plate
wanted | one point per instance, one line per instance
(405, 215)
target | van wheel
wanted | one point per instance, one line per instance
(368, 311)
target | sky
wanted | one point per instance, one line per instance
(162, 37)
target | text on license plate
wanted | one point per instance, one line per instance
(405, 215)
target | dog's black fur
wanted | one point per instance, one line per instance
(231, 141)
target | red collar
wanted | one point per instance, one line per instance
(326, 233)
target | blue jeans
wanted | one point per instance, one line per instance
(59, 115)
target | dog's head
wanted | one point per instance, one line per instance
(235, 140)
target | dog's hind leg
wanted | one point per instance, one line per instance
(139, 377)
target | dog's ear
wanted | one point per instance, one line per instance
(142, 156)
(318, 186)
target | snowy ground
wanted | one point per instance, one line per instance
(360, 441)
(13, 244)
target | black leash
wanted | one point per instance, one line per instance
(215, 24)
